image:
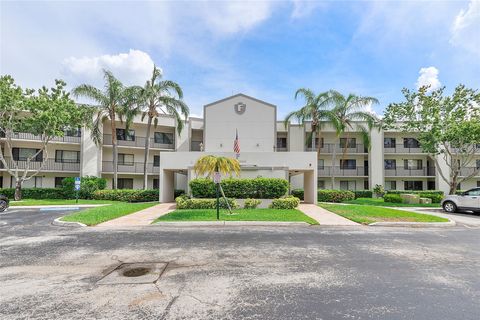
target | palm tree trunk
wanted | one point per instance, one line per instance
(115, 151)
(147, 152)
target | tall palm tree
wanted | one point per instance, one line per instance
(350, 110)
(114, 101)
(160, 98)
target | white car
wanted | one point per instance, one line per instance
(468, 200)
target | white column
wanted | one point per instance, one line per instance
(309, 187)
(90, 155)
(375, 159)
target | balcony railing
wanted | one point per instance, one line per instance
(330, 147)
(138, 142)
(195, 146)
(341, 172)
(135, 167)
(402, 172)
(400, 148)
(50, 165)
(29, 136)
(465, 172)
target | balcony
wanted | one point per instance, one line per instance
(402, 172)
(138, 142)
(400, 148)
(133, 167)
(341, 172)
(330, 147)
(50, 165)
(29, 136)
(195, 146)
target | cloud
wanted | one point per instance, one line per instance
(303, 8)
(465, 31)
(134, 67)
(428, 77)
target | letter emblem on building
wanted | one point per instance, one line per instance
(240, 107)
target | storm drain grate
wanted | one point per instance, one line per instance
(134, 273)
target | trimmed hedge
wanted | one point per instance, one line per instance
(35, 193)
(393, 198)
(251, 203)
(178, 193)
(183, 202)
(297, 193)
(435, 197)
(88, 185)
(335, 195)
(127, 195)
(415, 192)
(363, 194)
(290, 202)
(257, 188)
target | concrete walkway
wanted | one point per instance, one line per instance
(140, 218)
(324, 217)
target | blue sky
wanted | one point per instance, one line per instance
(266, 49)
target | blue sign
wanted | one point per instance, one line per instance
(77, 183)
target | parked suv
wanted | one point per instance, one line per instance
(468, 200)
(3, 203)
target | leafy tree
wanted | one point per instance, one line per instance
(448, 128)
(114, 101)
(160, 98)
(46, 113)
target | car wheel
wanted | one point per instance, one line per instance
(449, 206)
(3, 205)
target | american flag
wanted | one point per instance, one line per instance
(236, 143)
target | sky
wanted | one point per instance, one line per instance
(266, 49)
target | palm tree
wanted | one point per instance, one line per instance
(114, 101)
(347, 111)
(160, 98)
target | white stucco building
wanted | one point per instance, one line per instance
(268, 149)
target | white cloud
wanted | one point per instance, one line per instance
(134, 67)
(428, 77)
(302, 8)
(466, 28)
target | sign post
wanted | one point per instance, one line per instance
(217, 178)
(77, 188)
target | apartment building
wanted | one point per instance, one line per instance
(268, 148)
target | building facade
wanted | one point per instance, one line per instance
(269, 148)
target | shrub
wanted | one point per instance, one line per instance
(335, 195)
(393, 198)
(258, 188)
(127, 195)
(251, 203)
(379, 190)
(289, 202)
(297, 193)
(363, 194)
(178, 193)
(415, 192)
(435, 197)
(35, 193)
(183, 202)
(88, 185)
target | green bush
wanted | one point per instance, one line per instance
(183, 202)
(178, 193)
(127, 195)
(393, 198)
(335, 195)
(435, 197)
(258, 188)
(251, 203)
(363, 194)
(88, 186)
(415, 192)
(35, 193)
(289, 202)
(297, 193)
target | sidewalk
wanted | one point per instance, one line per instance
(325, 217)
(140, 218)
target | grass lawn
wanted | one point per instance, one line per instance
(368, 214)
(380, 202)
(93, 216)
(42, 202)
(241, 215)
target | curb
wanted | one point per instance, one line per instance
(60, 223)
(60, 206)
(231, 223)
(414, 224)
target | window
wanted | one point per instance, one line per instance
(125, 159)
(320, 184)
(430, 185)
(309, 142)
(390, 164)
(348, 142)
(478, 183)
(413, 185)
(389, 142)
(58, 182)
(473, 192)
(163, 137)
(478, 164)
(156, 161)
(411, 143)
(320, 164)
(73, 132)
(412, 164)
(365, 185)
(66, 156)
(156, 184)
(390, 185)
(348, 164)
(282, 143)
(125, 183)
(347, 185)
(123, 134)
(22, 154)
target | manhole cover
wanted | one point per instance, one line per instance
(134, 273)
